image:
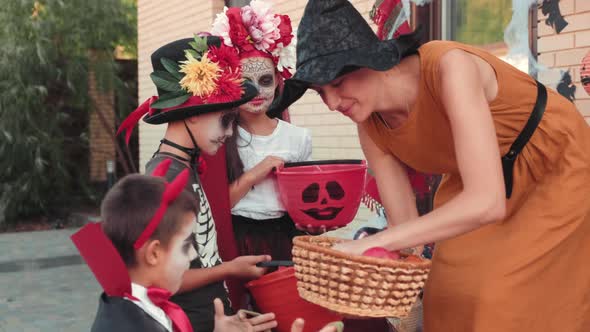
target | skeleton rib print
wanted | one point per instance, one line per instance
(206, 235)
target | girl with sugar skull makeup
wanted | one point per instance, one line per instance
(265, 44)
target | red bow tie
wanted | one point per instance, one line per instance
(160, 297)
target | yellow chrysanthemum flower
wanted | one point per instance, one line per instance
(199, 76)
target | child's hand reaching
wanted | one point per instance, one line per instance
(244, 267)
(332, 327)
(265, 167)
(240, 322)
(258, 323)
(315, 230)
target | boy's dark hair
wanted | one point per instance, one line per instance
(129, 206)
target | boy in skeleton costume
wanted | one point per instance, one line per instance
(199, 85)
(265, 44)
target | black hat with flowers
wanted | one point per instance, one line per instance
(332, 39)
(193, 76)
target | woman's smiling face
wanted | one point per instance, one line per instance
(352, 94)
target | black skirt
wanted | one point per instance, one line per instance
(272, 237)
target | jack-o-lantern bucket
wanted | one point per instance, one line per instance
(322, 193)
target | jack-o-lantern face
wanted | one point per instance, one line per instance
(322, 193)
(326, 198)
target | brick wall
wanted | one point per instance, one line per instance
(101, 143)
(565, 50)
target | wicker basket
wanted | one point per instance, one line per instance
(355, 286)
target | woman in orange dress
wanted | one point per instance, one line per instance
(501, 264)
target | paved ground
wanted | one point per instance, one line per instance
(44, 286)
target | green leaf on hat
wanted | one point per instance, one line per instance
(193, 53)
(171, 99)
(165, 81)
(200, 44)
(172, 67)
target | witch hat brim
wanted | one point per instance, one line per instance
(332, 38)
(250, 92)
(324, 69)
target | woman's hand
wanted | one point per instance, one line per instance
(244, 267)
(355, 247)
(240, 322)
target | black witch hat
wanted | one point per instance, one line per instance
(332, 39)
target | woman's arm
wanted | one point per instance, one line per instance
(482, 199)
(394, 186)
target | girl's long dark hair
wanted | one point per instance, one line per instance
(235, 166)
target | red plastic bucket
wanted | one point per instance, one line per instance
(321, 193)
(277, 292)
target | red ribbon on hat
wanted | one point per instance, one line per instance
(146, 107)
(173, 189)
(160, 297)
(132, 119)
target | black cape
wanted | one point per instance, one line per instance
(116, 314)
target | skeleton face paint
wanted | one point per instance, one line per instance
(212, 129)
(179, 253)
(261, 72)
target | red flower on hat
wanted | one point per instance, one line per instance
(228, 88)
(285, 31)
(226, 57)
(237, 32)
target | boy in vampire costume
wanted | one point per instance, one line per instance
(139, 253)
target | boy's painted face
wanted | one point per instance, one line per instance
(261, 72)
(178, 255)
(212, 129)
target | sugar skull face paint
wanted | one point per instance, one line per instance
(261, 72)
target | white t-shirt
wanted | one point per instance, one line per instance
(288, 142)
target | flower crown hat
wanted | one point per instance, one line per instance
(193, 76)
(255, 30)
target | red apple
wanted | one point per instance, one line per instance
(413, 259)
(380, 252)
